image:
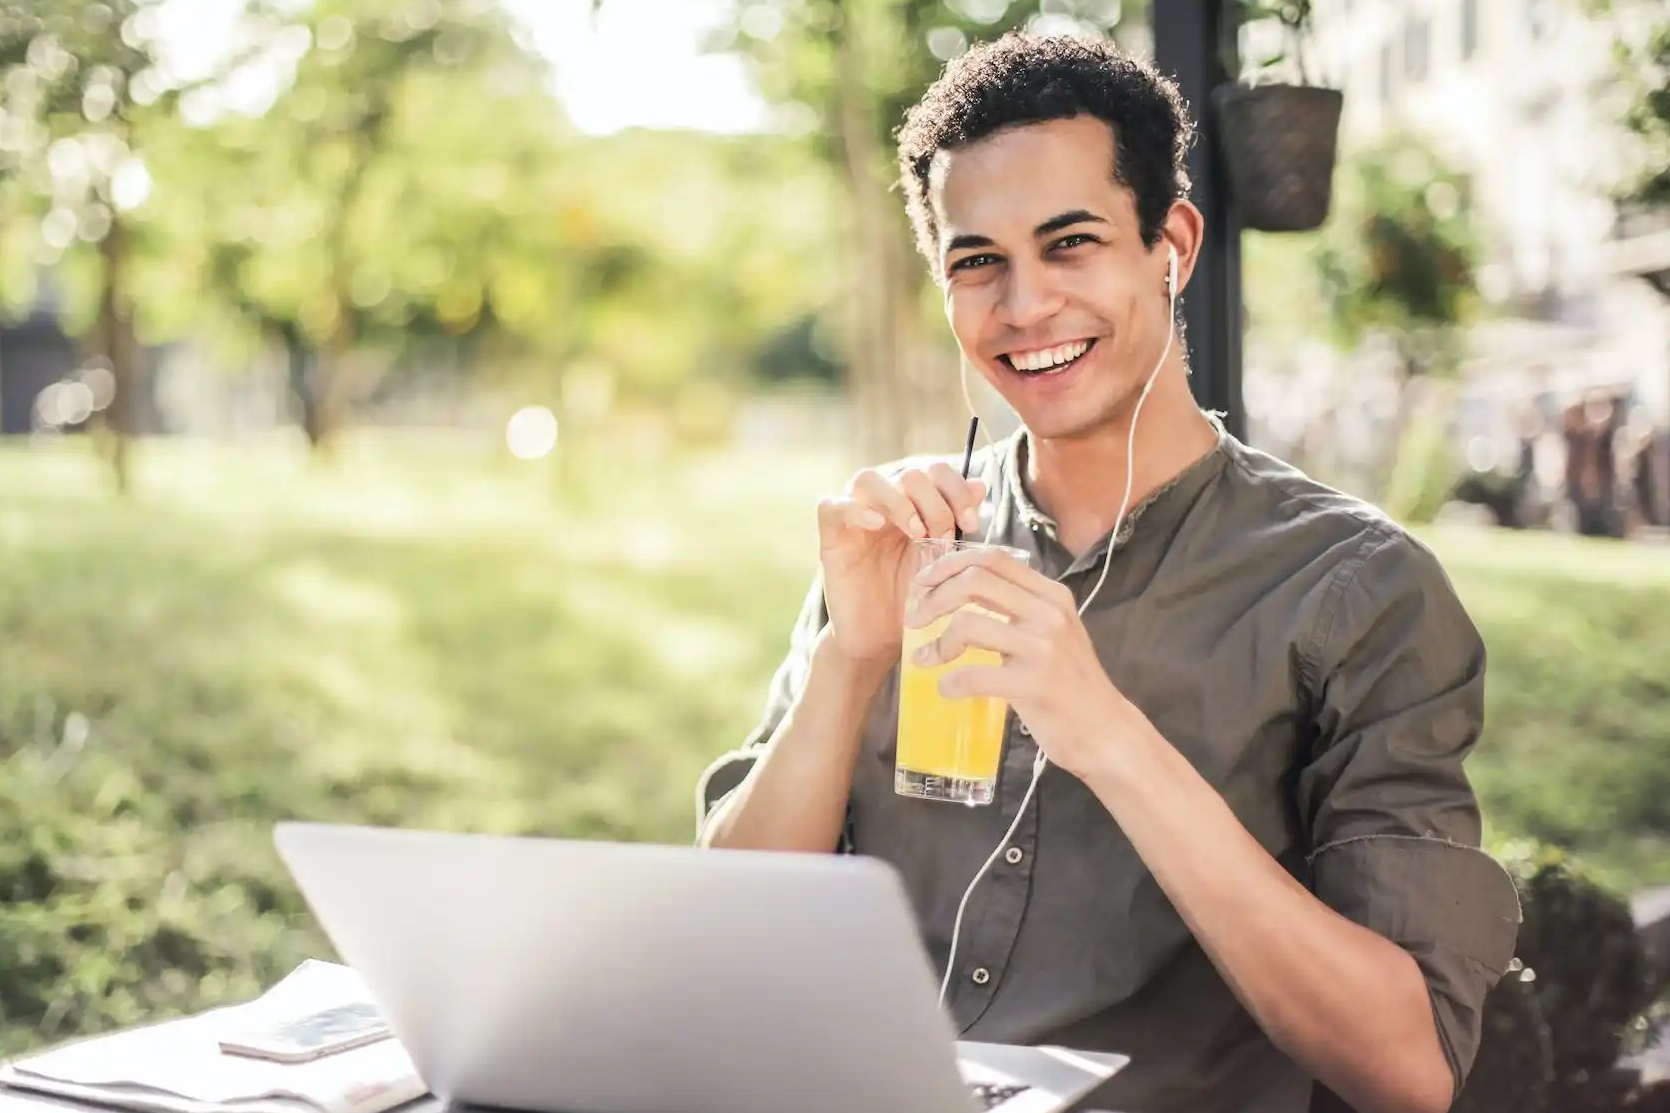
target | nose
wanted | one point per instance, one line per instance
(1029, 296)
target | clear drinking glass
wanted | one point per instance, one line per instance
(949, 749)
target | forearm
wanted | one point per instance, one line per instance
(1348, 1005)
(795, 797)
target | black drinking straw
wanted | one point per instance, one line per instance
(968, 458)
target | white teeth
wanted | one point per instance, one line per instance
(1049, 357)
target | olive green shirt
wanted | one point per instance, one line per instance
(1313, 663)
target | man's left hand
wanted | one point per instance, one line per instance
(1050, 673)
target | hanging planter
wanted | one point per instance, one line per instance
(1280, 140)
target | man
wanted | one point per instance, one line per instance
(1251, 864)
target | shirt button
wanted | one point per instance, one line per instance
(1026, 732)
(1014, 855)
(981, 975)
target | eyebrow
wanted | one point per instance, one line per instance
(1053, 224)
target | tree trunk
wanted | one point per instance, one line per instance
(321, 401)
(116, 341)
(869, 346)
(297, 361)
(324, 384)
(905, 393)
(311, 381)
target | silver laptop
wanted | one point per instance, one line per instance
(591, 977)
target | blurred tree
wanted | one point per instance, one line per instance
(86, 91)
(844, 72)
(405, 190)
(691, 260)
(1641, 50)
(1397, 262)
(1400, 257)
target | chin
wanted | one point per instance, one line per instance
(1072, 418)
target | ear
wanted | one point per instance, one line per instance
(1183, 231)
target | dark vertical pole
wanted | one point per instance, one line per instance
(1190, 45)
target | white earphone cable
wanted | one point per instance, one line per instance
(1041, 761)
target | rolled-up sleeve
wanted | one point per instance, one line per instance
(1392, 822)
(722, 777)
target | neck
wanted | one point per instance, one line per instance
(1079, 481)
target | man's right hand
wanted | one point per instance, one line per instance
(864, 548)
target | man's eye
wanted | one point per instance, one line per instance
(969, 262)
(1073, 240)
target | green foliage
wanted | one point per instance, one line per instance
(1577, 743)
(1396, 262)
(1425, 468)
(897, 48)
(1553, 1032)
(413, 637)
(411, 196)
(1399, 254)
(1513, 1071)
(84, 92)
(401, 188)
(1649, 118)
(688, 286)
(1294, 19)
(1641, 80)
(1591, 980)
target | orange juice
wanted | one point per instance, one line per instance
(948, 748)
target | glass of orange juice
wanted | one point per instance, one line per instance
(948, 749)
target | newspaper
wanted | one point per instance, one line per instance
(177, 1066)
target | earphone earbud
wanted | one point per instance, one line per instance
(1171, 273)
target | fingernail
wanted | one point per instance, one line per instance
(921, 656)
(971, 519)
(915, 528)
(871, 520)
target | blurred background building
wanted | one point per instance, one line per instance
(1520, 97)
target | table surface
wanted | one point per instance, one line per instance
(25, 1101)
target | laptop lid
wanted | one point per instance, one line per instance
(567, 976)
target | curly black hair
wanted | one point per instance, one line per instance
(1028, 79)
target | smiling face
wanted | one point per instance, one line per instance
(1050, 291)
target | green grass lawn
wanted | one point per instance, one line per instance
(1576, 750)
(426, 636)
(417, 637)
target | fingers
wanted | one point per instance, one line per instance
(973, 630)
(993, 681)
(846, 513)
(931, 504)
(963, 496)
(981, 584)
(1050, 602)
(872, 489)
(920, 503)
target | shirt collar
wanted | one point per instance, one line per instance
(1179, 489)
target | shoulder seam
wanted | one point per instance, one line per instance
(1375, 538)
(1368, 520)
(1377, 532)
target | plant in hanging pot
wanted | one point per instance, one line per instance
(1280, 139)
